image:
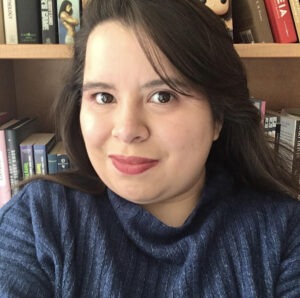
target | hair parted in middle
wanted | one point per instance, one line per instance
(196, 43)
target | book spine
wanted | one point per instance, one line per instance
(29, 21)
(2, 30)
(14, 159)
(27, 161)
(40, 159)
(251, 22)
(52, 163)
(13, 138)
(49, 21)
(10, 21)
(5, 190)
(263, 32)
(295, 9)
(62, 162)
(297, 141)
(297, 155)
(288, 131)
(263, 110)
(281, 21)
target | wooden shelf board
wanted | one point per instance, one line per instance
(59, 51)
(35, 51)
(268, 50)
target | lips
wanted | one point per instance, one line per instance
(132, 165)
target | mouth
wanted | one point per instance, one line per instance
(132, 165)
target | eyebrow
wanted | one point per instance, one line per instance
(151, 84)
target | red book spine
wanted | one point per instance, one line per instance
(281, 21)
(5, 189)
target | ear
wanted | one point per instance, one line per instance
(217, 129)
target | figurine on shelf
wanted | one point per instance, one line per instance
(222, 8)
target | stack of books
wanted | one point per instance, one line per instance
(39, 21)
(24, 153)
(266, 21)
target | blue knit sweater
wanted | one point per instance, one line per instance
(59, 242)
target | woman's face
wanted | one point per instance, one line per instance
(146, 142)
(68, 8)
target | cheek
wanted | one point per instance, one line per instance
(188, 136)
(93, 133)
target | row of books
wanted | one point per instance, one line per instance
(39, 21)
(56, 21)
(257, 21)
(24, 153)
(283, 131)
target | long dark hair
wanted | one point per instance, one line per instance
(196, 43)
(63, 6)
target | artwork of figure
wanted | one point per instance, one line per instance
(68, 17)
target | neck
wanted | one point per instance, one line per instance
(174, 211)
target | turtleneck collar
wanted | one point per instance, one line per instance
(159, 240)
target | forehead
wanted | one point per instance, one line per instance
(113, 47)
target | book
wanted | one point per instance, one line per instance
(57, 159)
(29, 21)
(63, 162)
(52, 160)
(49, 21)
(261, 106)
(295, 9)
(27, 156)
(2, 30)
(13, 137)
(10, 21)
(290, 129)
(5, 189)
(68, 20)
(4, 117)
(41, 147)
(274, 124)
(281, 21)
(251, 23)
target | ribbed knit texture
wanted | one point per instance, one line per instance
(59, 242)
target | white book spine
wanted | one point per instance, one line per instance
(10, 21)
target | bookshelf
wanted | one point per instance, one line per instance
(30, 76)
(60, 51)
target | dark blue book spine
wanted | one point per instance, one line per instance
(52, 163)
(63, 162)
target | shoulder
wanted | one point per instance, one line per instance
(45, 198)
(251, 199)
(266, 211)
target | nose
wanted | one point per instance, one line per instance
(129, 124)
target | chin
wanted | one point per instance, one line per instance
(136, 196)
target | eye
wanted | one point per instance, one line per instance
(104, 98)
(162, 97)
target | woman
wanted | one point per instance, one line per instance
(175, 191)
(68, 21)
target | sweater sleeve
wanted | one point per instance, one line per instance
(288, 284)
(21, 274)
